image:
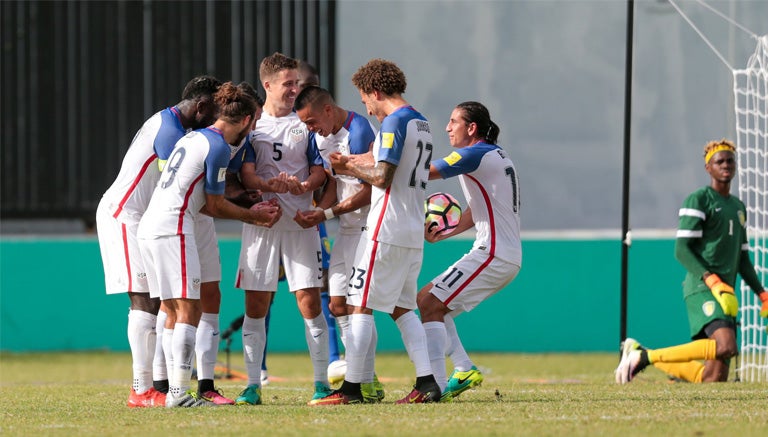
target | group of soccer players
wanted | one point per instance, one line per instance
(284, 166)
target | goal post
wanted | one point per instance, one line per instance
(750, 88)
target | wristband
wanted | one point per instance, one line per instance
(329, 214)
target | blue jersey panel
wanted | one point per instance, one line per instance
(237, 161)
(170, 132)
(360, 134)
(393, 132)
(325, 245)
(250, 153)
(216, 161)
(463, 161)
(313, 155)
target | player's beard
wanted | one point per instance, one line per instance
(242, 134)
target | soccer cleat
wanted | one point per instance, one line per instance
(630, 344)
(429, 393)
(629, 366)
(216, 397)
(369, 393)
(459, 382)
(264, 378)
(631, 362)
(321, 391)
(336, 397)
(373, 392)
(250, 396)
(379, 387)
(150, 398)
(187, 400)
(634, 359)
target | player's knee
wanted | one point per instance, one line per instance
(726, 350)
(337, 309)
(431, 308)
(142, 302)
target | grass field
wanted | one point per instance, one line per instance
(539, 395)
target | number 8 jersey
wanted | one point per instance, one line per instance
(397, 212)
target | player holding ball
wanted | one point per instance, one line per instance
(492, 190)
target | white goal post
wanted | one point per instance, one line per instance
(750, 88)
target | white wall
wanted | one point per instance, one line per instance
(552, 75)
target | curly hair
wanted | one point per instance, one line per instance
(713, 147)
(200, 87)
(275, 63)
(380, 75)
(234, 103)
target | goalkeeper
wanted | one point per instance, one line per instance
(712, 245)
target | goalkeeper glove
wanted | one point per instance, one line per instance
(724, 295)
(764, 298)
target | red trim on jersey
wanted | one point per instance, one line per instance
(239, 276)
(183, 248)
(491, 250)
(134, 184)
(186, 203)
(127, 257)
(367, 287)
(489, 207)
(177, 113)
(348, 122)
(381, 214)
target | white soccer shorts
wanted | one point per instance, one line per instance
(385, 276)
(342, 262)
(173, 268)
(262, 250)
(123, 264)
(207, 249)
(472, 279)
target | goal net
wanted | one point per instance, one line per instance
(750, 88)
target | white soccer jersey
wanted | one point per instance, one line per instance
(354, 138)
(198, 165)
(492, 189)
(128, 196)
(281, 144)
(397, 213)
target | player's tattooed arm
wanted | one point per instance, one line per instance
(379, 174)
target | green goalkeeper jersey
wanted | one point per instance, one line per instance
(711, 236)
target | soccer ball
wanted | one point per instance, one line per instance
(336, 371)
(442, 212)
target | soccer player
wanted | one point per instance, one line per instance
(192, 182)
(389, 255)
(348, 133)
(712, 245)
(308, 75)
(207, 341)
(118, 215)
(287, 168)
(492, 190)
